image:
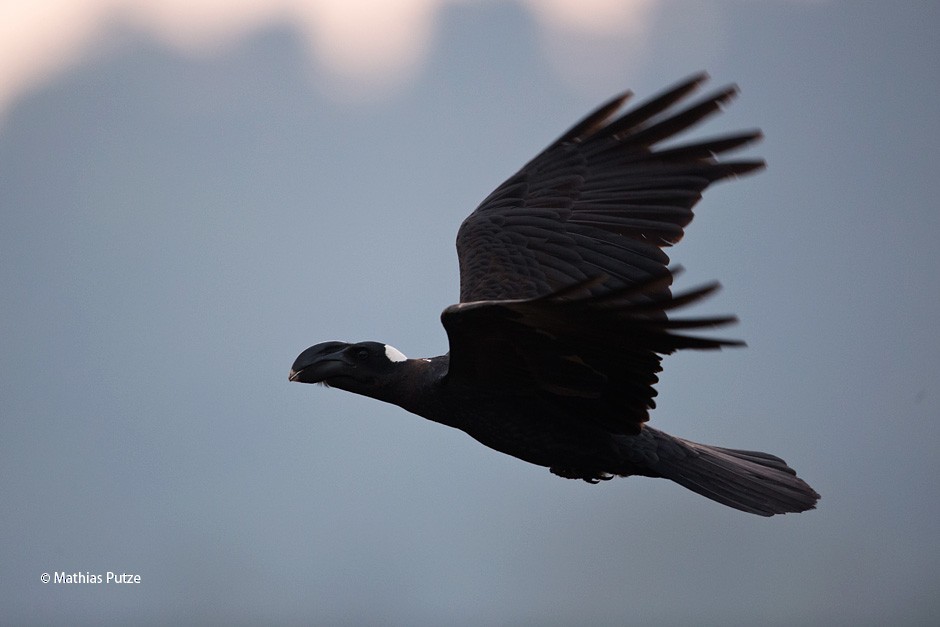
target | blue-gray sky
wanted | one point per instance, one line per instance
(178, 225)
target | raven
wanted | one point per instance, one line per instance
(565, 311)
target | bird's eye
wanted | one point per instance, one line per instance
(362, 354)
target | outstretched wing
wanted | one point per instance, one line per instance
(602, 200)
(593, 358)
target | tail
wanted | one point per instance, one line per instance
(751, 481)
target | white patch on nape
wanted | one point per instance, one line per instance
(394, 354)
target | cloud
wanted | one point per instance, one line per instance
(365, 44)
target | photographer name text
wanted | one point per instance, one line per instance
(87, 577)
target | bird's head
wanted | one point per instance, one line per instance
(353, 367)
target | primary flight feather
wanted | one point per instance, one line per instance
(566, 309)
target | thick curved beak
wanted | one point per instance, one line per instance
(318, 363)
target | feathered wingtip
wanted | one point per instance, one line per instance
(651, 122)
(643, 306)
(595, 119)
(670, 96)
(598, 118)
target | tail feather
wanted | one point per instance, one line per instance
(750, 481)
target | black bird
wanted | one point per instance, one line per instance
(564, 312)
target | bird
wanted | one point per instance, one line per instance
(566, 310)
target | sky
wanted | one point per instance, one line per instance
(193, 193)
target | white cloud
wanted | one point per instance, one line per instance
(367, 44)
(594, 16)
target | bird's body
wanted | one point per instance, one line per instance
(565, 312)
